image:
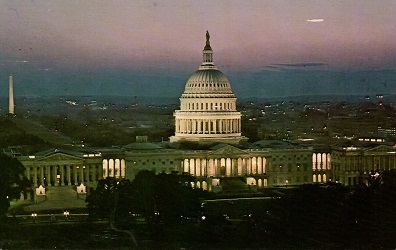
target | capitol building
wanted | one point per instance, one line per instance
(208, 106)
(208, 115)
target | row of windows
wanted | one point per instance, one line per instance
(295, 157)
(144, 162)
(289, 168)
(210, 85)
(319, 178)
(212, 106)
(58, 168)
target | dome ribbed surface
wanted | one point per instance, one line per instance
(207, 81)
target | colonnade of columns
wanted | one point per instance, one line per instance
(225, 166)
(60, 175)
(356, 168)
(353, 180)
(211, 126)
(321, 161)
(370, 162)
(260, 182)
(114, 168)
(208, 106)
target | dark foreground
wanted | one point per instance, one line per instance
(309, 217)
(89, 235)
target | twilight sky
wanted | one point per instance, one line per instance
(140, 48)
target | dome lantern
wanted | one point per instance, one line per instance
(207, 62)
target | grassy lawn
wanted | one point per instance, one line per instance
(35, 128)
(62, 236)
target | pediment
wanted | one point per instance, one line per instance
(381, 149)
(60, 157)
(228, 150)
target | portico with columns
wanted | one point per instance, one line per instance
(353, 166)
(62, 169)
(226, 162)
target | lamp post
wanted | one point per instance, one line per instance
(34, 216)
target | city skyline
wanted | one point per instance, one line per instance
(266, 48)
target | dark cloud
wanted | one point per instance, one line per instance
(272, 67)
(299, 65)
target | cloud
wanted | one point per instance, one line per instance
(318, 20)
(272, 67)
(297, 65)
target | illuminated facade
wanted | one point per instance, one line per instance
(255, 168)
(208, 114)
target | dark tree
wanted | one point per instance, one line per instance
(12, 181)
(167, 197)
(111, 196)
(176, 199)
(163, 197)
(385, 210)
(144, 194)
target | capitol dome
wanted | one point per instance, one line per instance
(205, 81)
(208, 106)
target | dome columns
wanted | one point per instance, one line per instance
(208, 104)
(207, 57)
(193, 126)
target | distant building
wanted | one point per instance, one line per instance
(391, 131)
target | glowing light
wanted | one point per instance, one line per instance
(315, 20)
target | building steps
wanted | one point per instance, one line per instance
(234, 185)
(61, 193)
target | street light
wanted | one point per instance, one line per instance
(66, 214)
(34, 216)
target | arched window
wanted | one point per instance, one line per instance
(204, 185)
(328, 161)
(105, 164)
(313, 161)
(254, 165)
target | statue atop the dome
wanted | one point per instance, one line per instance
(207, 47)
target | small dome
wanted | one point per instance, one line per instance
(208, 81)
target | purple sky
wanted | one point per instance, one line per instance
(60, 47)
